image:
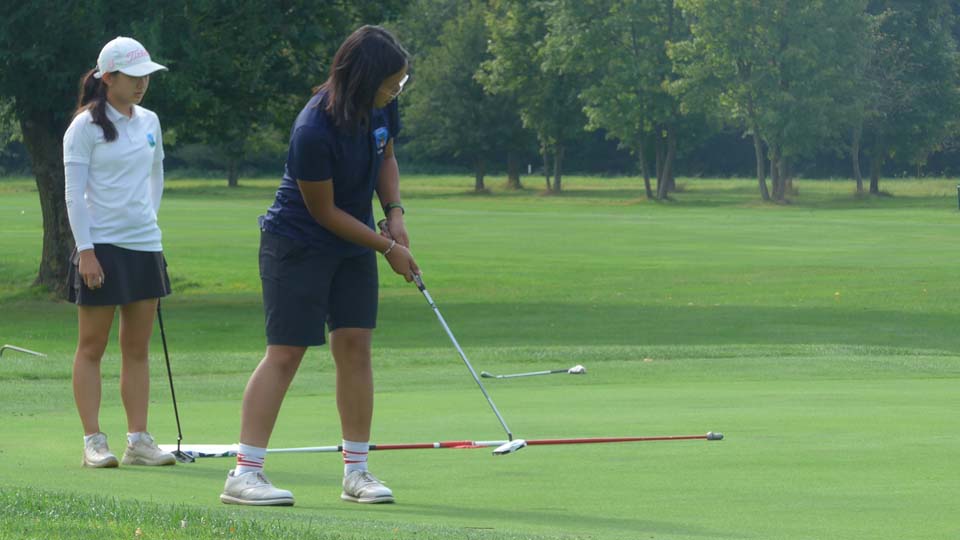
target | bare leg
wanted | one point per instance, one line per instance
(351, 353)
(136, 326)
(265, 391)
(93, 324)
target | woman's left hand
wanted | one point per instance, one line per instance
(397, 230)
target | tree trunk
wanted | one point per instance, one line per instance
(658, 159)
(761, 169)
(855, 155)
(786, 173)
(557, 167)
(513, 171)
(876, 163)
(669, 182)
(775, 172)
(41, 136)
(645, 171)
(479, 170)
(233, 171)
(546, 165)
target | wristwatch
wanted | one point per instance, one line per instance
(390, 206)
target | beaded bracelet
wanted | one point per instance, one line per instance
(387, 252)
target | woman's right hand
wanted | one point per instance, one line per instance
(401, 260)
(90, 269)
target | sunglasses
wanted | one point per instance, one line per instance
(403, 81)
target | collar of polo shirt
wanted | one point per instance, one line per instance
(114, 115)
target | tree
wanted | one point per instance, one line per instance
(45, 46)
(234, 66)
(547, 95)
(238, 68)
(448, 111)
(620, 46)
(777, 69)
(916, 76)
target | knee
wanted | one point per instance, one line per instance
(134, 351)
(352, 343)
(285, 359)
(91, 349)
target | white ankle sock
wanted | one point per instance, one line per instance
(249, 458)
(86, 438)
(354, 456)
(133, 438)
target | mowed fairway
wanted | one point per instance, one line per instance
(821, 337)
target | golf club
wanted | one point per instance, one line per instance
(20, 349)
(509, 446)
(230, 450)
(575, 370)
(181, 456)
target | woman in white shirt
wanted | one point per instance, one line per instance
(113, 162)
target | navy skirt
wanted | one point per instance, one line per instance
(129, 276)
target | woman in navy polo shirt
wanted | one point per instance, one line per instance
(318, 259)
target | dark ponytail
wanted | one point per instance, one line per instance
(93, 97)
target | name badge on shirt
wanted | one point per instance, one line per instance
(150, 140)
(381, 135)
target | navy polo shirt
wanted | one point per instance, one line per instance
(319, 150)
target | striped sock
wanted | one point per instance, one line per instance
(249, 458)
(354, 456)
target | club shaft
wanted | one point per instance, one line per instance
(531, 374)
(463, 356)
(166, 356)
(19, 349)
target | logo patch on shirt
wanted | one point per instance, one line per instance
(150, 140)
(381, 135)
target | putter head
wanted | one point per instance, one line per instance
(509, 447)
(183, 457)
(714, 436)
(486, 374)
(577, 370)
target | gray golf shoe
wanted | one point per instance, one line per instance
(97, 454)
(254, 489)
(363, 487)
(146, 452)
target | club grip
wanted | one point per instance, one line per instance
(419, 281)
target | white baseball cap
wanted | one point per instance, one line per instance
(127, 56)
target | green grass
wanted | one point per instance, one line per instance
(820, 336)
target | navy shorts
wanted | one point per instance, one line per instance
(305, 288)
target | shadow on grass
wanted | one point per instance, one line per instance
(624, 191)
(549, 324)
(571, 521)
(812, 195)
(259, 189)
(235, 323)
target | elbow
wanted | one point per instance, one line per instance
(321, 216)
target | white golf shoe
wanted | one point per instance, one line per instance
(146, 452)
(97, 454)
(254, 489)
(363, 487)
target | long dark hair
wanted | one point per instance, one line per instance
(365, 59)
(93, 97)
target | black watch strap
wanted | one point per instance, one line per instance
(390, 206)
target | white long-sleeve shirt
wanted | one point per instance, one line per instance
(113, 189)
